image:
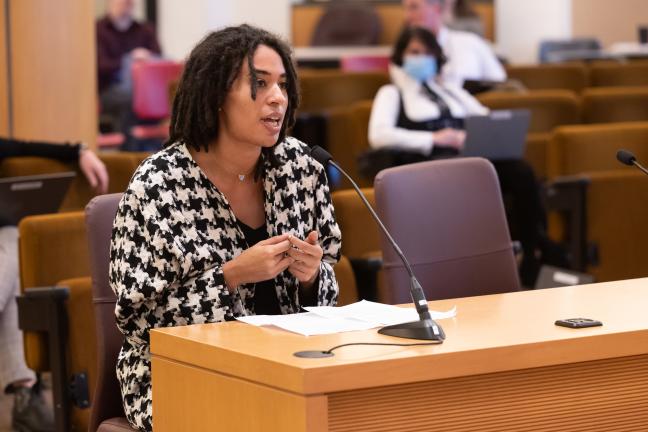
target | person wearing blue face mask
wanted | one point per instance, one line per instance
(420, 116)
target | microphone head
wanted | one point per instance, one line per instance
(625, 157)
(320, 155)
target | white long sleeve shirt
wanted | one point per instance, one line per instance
(383, 130)
(469, 58)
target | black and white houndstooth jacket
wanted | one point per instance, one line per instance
(172, 233)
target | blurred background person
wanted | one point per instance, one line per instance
(121, 40)
(460, 15)
(468, 56)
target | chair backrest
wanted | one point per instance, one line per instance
(551, 76)
(151, 81)
(619, 74)
(549, 108)
(364, 63)
(321, 90)
(347, 25)
(615, 104)
(448, 218)
(575, 150)
(107, 403)
(359, 231)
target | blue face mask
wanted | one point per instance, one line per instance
(420, 67)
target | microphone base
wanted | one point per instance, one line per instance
(420, 330)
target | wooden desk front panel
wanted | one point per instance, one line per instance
(605, 395)
(189, 398)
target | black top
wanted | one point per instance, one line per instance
(445, 120)
(12, 147)
(265, 295)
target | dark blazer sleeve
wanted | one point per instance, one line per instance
(12, 148)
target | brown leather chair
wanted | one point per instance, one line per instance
(619, 74)
(571, 76)
(615, 104)
(107, 412)
(448, 218)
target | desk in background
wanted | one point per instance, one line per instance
(504, 366)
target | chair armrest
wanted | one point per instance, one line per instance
(37, 307)
(43, 310)
(568, 195)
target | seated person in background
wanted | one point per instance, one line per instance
(231, 218)
(468, 56)
(30, 412)
(459, 15)
(420, 117)
(121, 40)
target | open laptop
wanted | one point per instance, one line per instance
(31, 195)
(499, 135)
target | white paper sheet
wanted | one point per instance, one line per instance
(361, 315)
(377, 313)
(308, 323)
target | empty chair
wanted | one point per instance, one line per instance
(325, 89)
(347, 138)
(448, 218)
(361, 239)
(107, 412)
(615, 104)
(619, 74)
(347, 24)
(555, 51)
(151, 83)
(581, 149)
(364, 63)
(551, 76)
(615, 201)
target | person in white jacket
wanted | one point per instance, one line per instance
(469, 56)
(419, 117)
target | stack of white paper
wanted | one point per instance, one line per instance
(362, 315)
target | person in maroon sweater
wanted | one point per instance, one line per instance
(121, 40)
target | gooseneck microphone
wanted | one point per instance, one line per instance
(627, 158)
(423, 329)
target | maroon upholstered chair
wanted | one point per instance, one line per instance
(107, 412)
(448, 218)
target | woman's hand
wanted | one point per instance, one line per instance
(449, 137)
(308, 256)
(261, 262)
(94, 170)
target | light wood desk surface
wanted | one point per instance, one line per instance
(494, 334)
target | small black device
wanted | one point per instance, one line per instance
(578, 323)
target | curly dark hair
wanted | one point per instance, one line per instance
(211, 69)
(426, 37)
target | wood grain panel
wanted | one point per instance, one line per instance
(4, 94)
(193, 390)
(605, 395)
(53, 64)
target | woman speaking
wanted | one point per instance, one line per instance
(231, 218)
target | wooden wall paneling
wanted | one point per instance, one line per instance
(53, 69)
(4, 89)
